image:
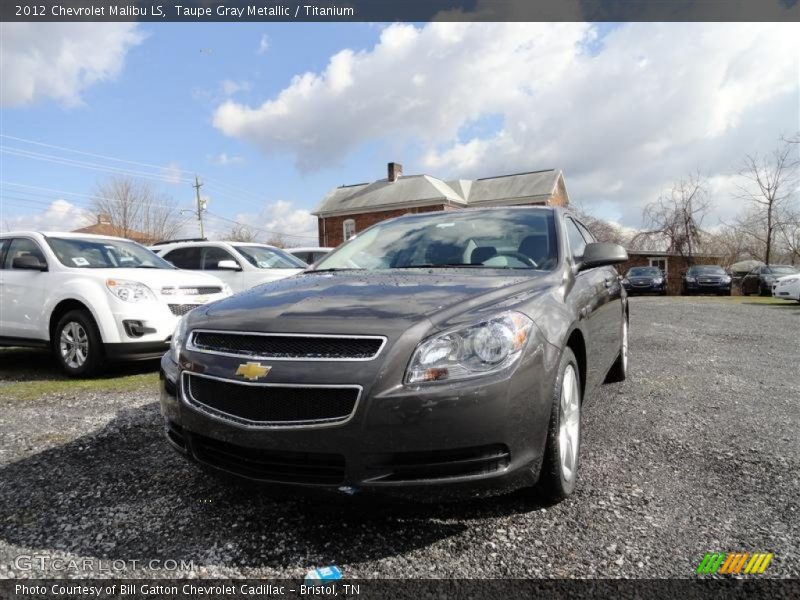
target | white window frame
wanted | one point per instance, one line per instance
(651, 259)
(347, 224)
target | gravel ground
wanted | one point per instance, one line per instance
(697, 451)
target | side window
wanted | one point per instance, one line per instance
(3, 246)
(22, 247)
(184, 258)
(212, 255)
(587, 235)
(575, 239)
(348, 229)
(306, 257)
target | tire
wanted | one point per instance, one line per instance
(81, 359)
(619, 370)
(561, 461)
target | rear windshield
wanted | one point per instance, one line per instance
(90, 253)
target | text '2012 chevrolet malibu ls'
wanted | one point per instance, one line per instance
(448, 351)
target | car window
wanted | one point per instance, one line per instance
(262, 257)
(212, 255)
(185, 258)
(102, 253)
(575, 238)
(644, 272)
(22, 247)
(304, 256)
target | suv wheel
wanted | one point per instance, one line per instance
(77, 345)
(562, 454)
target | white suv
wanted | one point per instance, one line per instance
(241, 265)
(93, 298)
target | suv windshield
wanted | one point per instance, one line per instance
(90, 253)
(489, 239)
(706, 270)
(270, 258)
(644, 272)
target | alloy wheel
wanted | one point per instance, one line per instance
(74, 345)
(569, 423)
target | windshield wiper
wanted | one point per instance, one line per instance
(333, 270)
(448, 265)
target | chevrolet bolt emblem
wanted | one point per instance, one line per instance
(252, 370)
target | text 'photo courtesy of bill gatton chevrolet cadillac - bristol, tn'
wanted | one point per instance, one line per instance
(445, 348)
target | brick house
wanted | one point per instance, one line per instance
(672, 263)
(104, 226)
(348, 209)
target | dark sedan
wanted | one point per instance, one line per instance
(760, 280)
(645, 280)
(447, 351)
(706, 279)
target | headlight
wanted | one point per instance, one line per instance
(658, 280)
(726, 279)
(178, 338)
(788, 281)
(129, 291)
(625, 280)
(479, 349)
(690, 279)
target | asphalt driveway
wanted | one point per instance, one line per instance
(698, 451)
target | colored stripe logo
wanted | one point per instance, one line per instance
(734, 563)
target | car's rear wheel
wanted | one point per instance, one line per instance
(619, 370)
(77, 345)
(562, 453)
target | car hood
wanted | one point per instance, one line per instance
(362, 302)
(156, 278)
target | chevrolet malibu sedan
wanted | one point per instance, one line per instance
(645, 280)
(706, 279)
(446, 352)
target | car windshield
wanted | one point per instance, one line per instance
(780, 270)
(487, 239)
(92, 253)
(644, 272)
(264, 257)
(706, 270)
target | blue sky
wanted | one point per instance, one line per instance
(272, 116)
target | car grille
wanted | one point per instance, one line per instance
(439, 464)
(182, 309)
(708, 280)
(198, 290)
(270, 465)
(287, 347)
(271, 405)
(641, 282)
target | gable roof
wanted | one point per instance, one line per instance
(422, 190)
(109, 230)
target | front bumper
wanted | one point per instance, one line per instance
(715, 287)
(469, 438)
(651, 288)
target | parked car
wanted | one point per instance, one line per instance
(705, 279)
(242, 265)
(645, 280)
(92, 299)
(433, 349)
(787, 287)
(760, 279)
(309, 255)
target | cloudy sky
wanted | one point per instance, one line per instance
(273, 116)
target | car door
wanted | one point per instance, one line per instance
(187, 257)
(22, 291)
(212, 256)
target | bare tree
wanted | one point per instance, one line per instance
(673, 222)
(768, 186)
(278, 240)
(604, 231)
(137, 210)
(240, 233)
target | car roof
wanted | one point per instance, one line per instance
(309, 249)
(64, 234)
(172, 245)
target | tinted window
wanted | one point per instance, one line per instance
(706, 270)
(22, 247)
(94, 253)
(269, 258)
(491, 239)
(305, 256)
(575, 239)
(213, 255)
(185, 258)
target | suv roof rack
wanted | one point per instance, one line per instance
(163, 242)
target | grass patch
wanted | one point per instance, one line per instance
(30, 390)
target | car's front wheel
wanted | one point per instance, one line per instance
(562, 453)
(77, 344)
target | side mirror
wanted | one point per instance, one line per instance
(228, 265)
(29, 263)
(600, 254)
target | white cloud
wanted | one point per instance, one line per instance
(223, 159)
(60, 60)
(60, 215)
(298, 225)
(263, 44)
(649, 104)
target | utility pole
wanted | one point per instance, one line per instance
(201, 205)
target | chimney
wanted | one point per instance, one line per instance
(395, 171)
(104, 219)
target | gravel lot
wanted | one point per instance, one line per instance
(697, 451)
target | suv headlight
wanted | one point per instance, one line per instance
(178, 338)
(129, 291)
(479, 349)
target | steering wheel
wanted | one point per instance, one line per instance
(523, 258)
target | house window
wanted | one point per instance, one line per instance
(349, 229)
(661, 263)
